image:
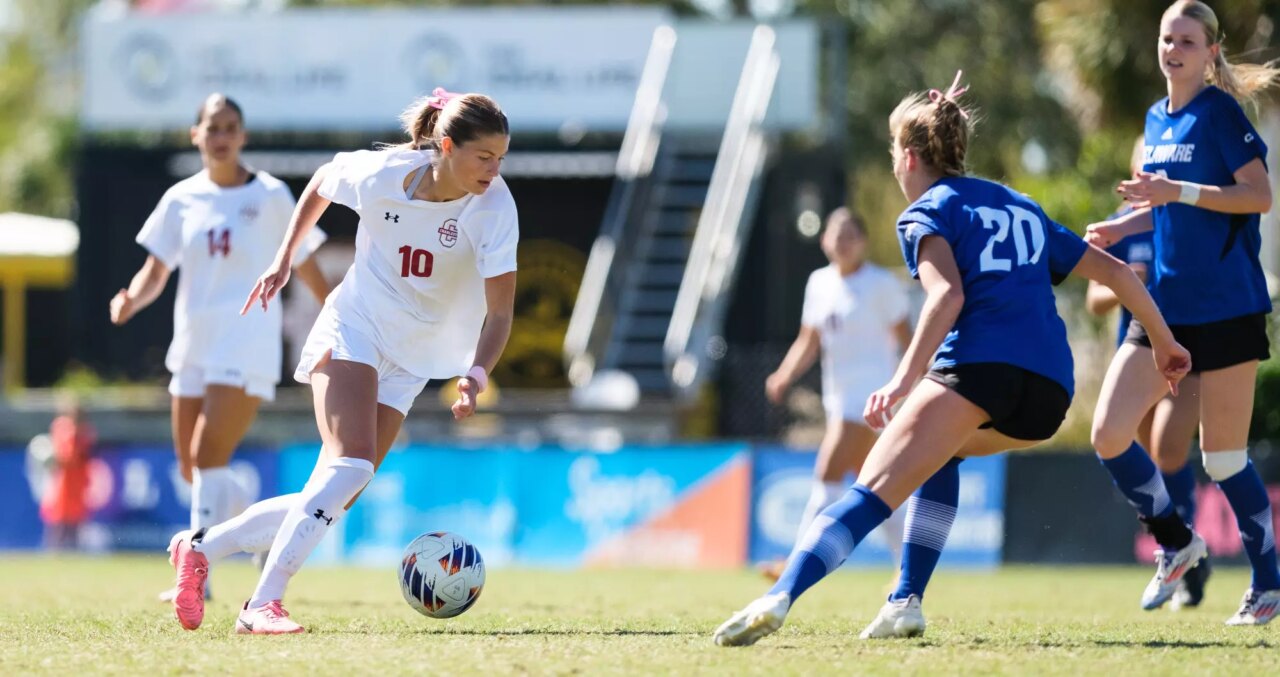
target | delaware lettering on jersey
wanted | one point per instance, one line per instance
(222, 239)
(416, 287)
(1009, 255)
(1169, 152)
(1206, 263)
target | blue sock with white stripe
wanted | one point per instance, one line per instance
(1181, 485)
(930, 513)
(832, 536)
(1139, 480)
(1248, 498)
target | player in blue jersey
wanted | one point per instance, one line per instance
(1168, 428)
(990, 353)
(1203, 185)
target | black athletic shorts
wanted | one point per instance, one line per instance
(1214, 345)
(1022, 404)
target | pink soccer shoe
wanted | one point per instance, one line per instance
(268, 619)
(192, 568)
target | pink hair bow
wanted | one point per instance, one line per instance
(439, 98)
(952, 94)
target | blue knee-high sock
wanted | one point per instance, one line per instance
(831, 537)
(930, 512)
(1248, 498)
(1181, 484)
(1139, 480)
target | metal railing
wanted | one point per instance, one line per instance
(593, 312)
(713, 257)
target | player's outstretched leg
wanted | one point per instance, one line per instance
(826, 544)
(320, 504)
(930, 512)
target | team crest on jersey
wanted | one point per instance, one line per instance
(249, 213)
(449, 233)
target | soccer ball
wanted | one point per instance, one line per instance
(441, 574)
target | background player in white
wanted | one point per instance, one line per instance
(855, 315)
(430, 295)
(220, 227)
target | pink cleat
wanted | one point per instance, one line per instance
(192, 569)
(268, 619)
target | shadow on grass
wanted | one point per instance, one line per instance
(525, 632)
(1178, 644)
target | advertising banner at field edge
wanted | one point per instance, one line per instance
(782, 479)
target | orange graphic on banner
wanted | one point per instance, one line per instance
(707, 527)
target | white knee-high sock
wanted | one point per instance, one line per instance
(822, 495)
(253, 530)
(893, 530)
(210, 492)
(307, 521)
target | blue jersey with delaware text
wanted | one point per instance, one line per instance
(1207, 266)
(1137, 248)
(1009, 255)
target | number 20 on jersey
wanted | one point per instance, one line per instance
(1019, 222)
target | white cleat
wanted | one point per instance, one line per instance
(1170, 568)
(759, 619)
(897, 618)
(1257, 608)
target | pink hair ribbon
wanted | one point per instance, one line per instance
(952, 94)
(439, 98)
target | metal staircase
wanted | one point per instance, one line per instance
(657, 278)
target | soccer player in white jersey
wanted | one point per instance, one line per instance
(855, 316)
(430, 295)
(219, 226)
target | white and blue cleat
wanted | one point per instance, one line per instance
(897, 618)
(758, 620)
(1171, 566)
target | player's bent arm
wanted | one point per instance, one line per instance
(1250, 195)
(144, 288)
(1099, 299)
(944, 297)
(500, 298)
(1106, 269)
(801, 355)
(305, 215)
(309, 272)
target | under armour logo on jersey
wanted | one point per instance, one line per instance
(1168, 135)
(394, 218)
(320, 516)
(1248, 138)
(249, 213)
(449, 233)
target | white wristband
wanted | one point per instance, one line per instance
(478, 375)
(1190, 194)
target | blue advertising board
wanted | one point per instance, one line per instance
(782, 479)
(136, 496)
(544, 506)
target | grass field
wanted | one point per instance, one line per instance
(70, 616)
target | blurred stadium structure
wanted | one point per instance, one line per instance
(672, 172)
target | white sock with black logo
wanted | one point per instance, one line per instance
(253, 530)
(321, 502)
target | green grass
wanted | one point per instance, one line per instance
(76, 615)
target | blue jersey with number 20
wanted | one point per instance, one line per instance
(1009, 255)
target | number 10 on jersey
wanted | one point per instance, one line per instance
(415, 262)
